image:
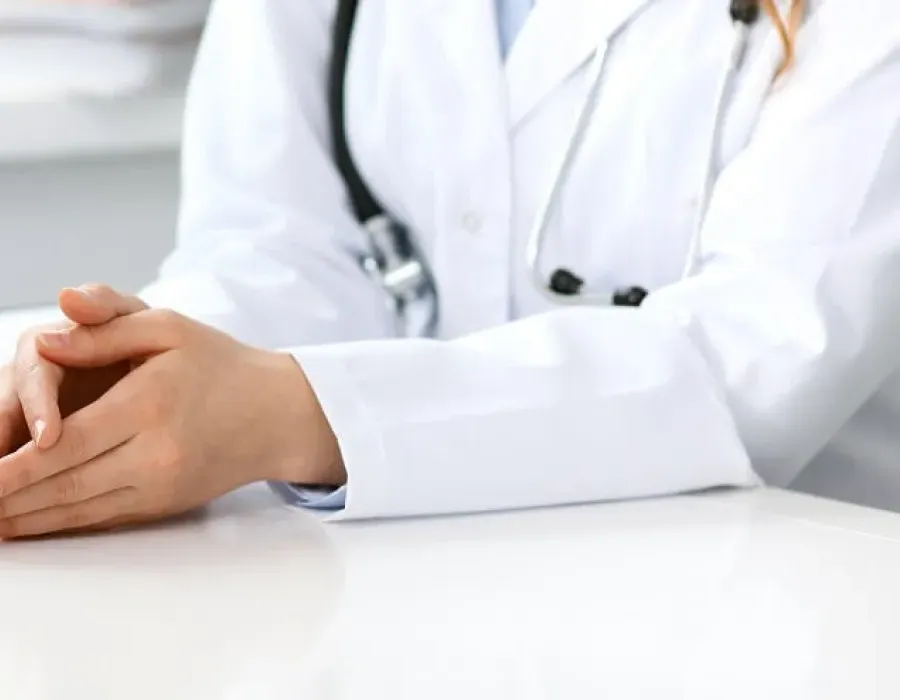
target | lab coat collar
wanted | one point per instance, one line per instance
(559, 37)
(466, 32)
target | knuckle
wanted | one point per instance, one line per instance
(86, 337)
(164, 317)
(29, 371)
(155, 406)
(26, 341)
(95, 289)
(24, 476)
(10, 529)
(26, 355)
(76, 519)
(152, 413)
(169, 453)
(75, 445)
(7, 388)
(172, 323)
(69, 488)
(161, 496)
(169, 316)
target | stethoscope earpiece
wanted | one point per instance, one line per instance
(629, 296)
(566, 283)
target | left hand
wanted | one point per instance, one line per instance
(201, 416)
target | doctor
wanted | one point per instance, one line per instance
(743, 197)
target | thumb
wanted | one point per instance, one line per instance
(93, 304)
(132, 337)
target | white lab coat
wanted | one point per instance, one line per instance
(775, 360)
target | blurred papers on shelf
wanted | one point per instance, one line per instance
(117, 18)
(61, 49)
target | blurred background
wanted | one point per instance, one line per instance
(91, 97)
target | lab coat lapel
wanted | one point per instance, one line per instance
(465, 80)
(558, 37)
(466, 32)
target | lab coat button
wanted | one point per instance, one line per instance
(472, 223)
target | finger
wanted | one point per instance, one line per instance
(11, 418)
(86, 434)
(6, 431)
(67, 518)
(37, 382)
(94, 304)
(28, 396)
(13, 430)
(108, 472)
(116, 523)
(138, 335)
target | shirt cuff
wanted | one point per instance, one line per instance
(312, 498)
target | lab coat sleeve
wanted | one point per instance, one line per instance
(743, 370)
(267, 247)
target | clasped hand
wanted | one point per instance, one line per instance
(127, 414)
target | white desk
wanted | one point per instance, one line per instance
(730, 595)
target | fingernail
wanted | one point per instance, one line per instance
(86, 292)
(55, 339)
(40, 427)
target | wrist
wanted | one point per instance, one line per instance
(310, 455)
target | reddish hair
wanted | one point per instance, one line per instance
(787, 29)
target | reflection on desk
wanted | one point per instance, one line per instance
(725, 595)
(207, 607)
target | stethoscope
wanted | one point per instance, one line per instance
(563, 285)
(398, 266)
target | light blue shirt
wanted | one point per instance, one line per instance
(511, 16)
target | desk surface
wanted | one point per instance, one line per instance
(757, 594)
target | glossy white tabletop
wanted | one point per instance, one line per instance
(727, 595)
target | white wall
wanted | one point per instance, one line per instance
(84, 219)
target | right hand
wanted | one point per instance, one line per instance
(35, 394)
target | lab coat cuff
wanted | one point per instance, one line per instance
(354, 425)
